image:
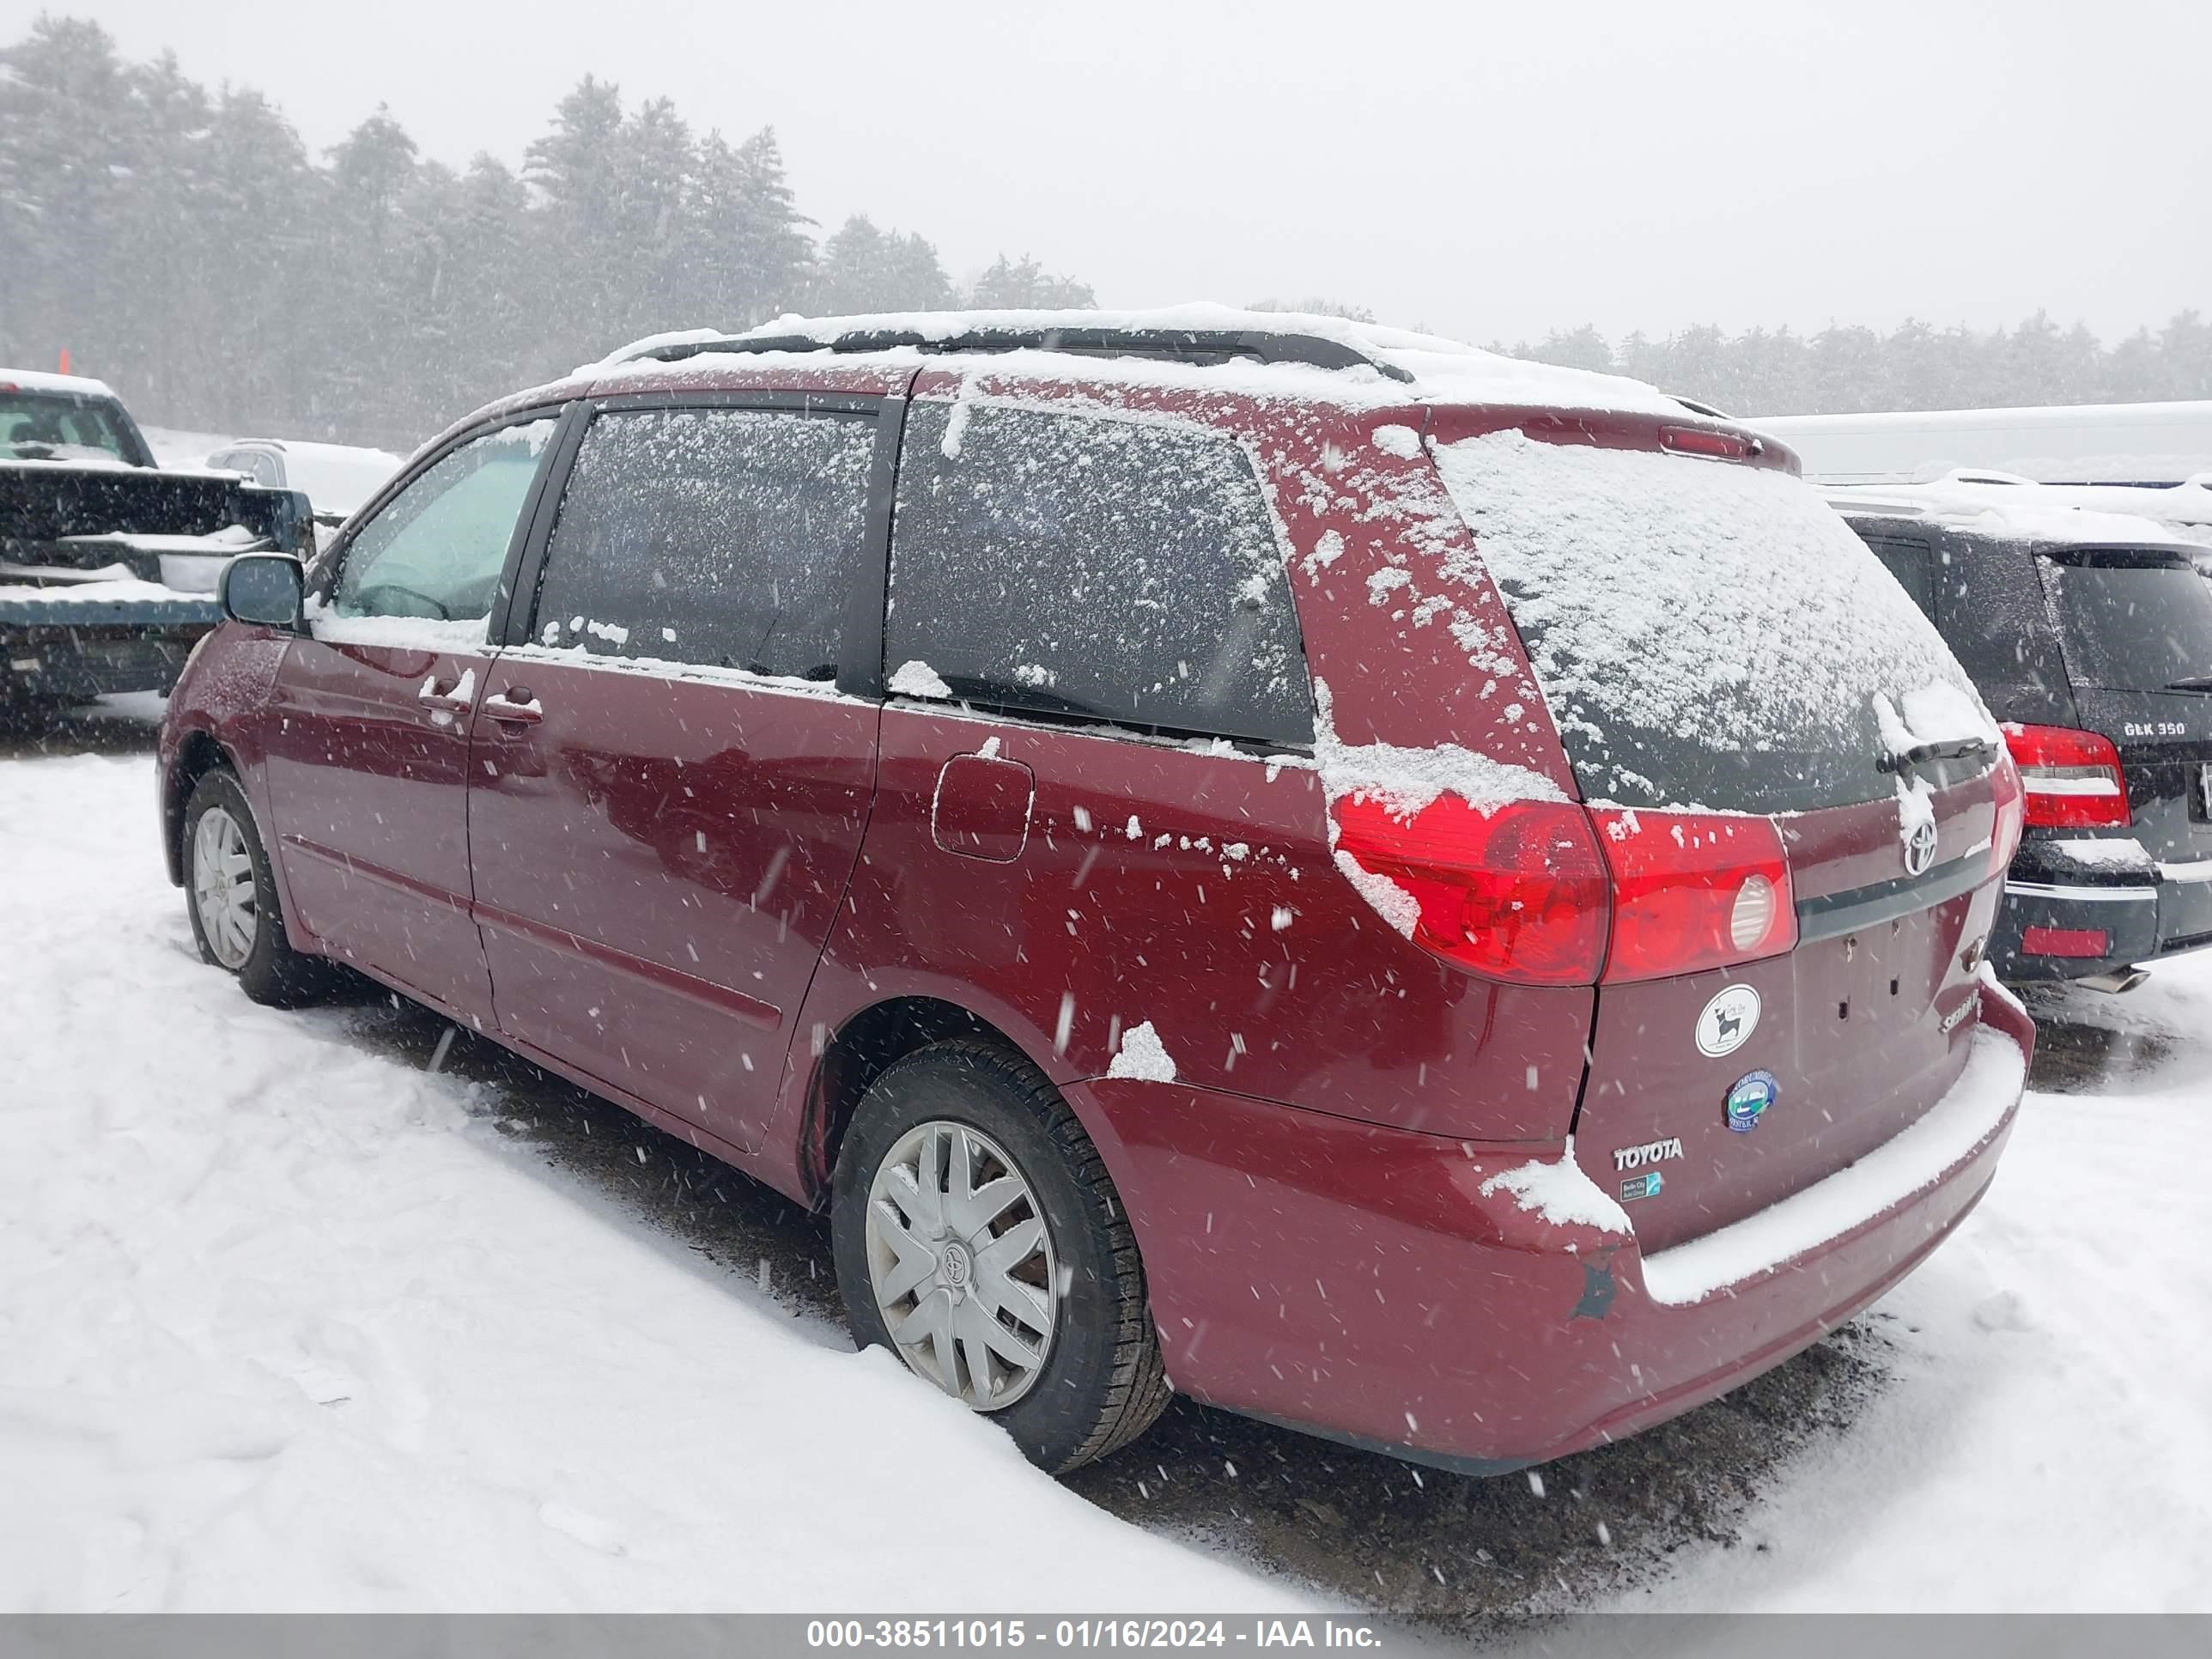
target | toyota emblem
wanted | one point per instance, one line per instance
(1920, 846)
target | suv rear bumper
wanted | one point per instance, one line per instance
(2142, 919)
(1359, 1283)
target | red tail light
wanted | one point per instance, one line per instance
(1519, 895)
(2073, 779)
(1693, 891)
(2005, 790)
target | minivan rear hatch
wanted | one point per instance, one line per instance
(1715, 645)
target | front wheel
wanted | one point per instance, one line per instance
(233, 899)
(979, 1237)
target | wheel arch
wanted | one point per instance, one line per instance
(866, 1044)
(198, 753)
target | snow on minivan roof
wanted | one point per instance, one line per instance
(1438, 370)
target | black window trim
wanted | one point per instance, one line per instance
(860, 670)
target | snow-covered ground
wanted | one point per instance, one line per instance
(286, 1325)
(174, 446)
(288, 1322)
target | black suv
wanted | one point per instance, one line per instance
(2090, 637)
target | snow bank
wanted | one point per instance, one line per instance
(1916, 1159)
(287, 1325)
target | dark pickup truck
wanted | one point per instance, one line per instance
(108, 562)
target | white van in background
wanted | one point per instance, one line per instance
(2151, 460)
(2126, 444)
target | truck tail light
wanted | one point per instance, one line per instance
(1519, 893)
(1693, 891)
(2073, 779)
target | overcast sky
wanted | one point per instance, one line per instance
(1489, 171)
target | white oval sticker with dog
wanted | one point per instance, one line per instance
(1729, 1021)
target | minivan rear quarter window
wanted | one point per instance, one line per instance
(722, 538)
(1707, 633)
(1115, 571)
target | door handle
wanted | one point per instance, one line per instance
(514, 706)
(454, 700)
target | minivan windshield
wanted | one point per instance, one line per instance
(2130, 619)
(1707, 633)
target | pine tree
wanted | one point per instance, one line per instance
(866, 269)
(1025, 285)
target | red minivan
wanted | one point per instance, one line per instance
(1421, 897)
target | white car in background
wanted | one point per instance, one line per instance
(338, 479)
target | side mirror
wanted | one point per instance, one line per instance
(268, 589)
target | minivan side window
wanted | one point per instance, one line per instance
(723, 538)
(437, 547)
(1114, 570)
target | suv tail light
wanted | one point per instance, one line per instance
(2073, 779)
(1693, 891)
(2005, 790)
(1518, 895)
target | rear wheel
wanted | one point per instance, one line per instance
(978, 1237)
(232, 899)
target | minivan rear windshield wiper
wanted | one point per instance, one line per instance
(2190, 683)
(1920, 753)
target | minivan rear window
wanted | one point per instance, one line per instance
(2130, 619)
(1707, 633)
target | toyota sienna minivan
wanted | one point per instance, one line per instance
(1431, 900)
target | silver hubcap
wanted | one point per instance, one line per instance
(961, 1264)
(222, 888)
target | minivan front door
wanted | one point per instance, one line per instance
(668, 790)
(368, 756)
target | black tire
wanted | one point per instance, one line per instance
(1102, 1382)
(273, 973)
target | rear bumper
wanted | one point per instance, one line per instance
(1361, 1284)
(2145, 917)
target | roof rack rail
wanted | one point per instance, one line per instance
(1189, 345)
